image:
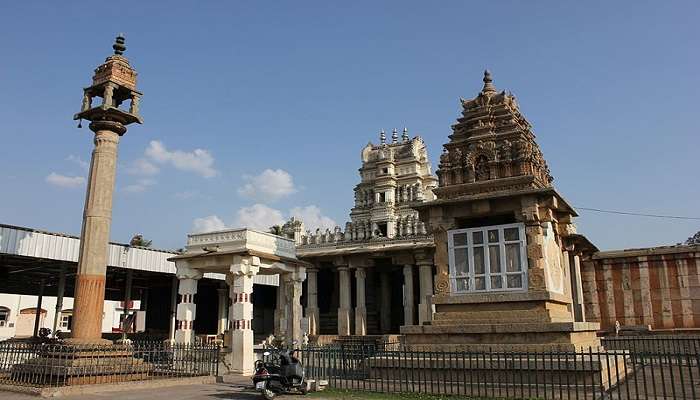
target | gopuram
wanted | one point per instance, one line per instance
(506, 250)
(385, 247)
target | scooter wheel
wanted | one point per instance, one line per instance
(303, 391)
(268, 394)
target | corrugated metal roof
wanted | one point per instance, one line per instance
(29, 242)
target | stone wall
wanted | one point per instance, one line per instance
(659, 287)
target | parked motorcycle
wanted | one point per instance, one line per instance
(279, 372)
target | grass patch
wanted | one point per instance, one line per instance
(345, 394)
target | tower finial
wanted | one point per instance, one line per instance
(394, 136)
(119, 46)
(488, 85)
(404, 135)
(382, 137)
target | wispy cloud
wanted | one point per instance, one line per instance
(207, 224)
(199, 161)
(84, 165)
(65, 181)
(271, 184)
(142, 167)
(140, 186)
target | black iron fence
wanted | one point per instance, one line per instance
(585, 374)
(656, 344)
(44, 365)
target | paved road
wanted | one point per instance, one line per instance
(226, 390)
(191, 392)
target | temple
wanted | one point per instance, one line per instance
(377, 275)
(506, 249)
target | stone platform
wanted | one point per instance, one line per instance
(534, 321)
(70, 364)
(522, 375)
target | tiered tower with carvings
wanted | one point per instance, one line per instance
(393, 177)
(491, 149)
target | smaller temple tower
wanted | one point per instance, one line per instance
(506, 248)
(394, 176)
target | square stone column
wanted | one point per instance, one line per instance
(344, 308)
(361, 307)
(223, 309)
(425, 306)
(294, 309)
(281, 309)
(312, 312)
(385, 301)
(408, 294)
(240, 280)
(187, 309)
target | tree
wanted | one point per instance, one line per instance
(276, 230)
(695, 239)
(139, 241)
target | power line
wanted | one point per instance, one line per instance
(637, 214)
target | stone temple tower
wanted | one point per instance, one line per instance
(104, 105)
(506, 249)
(394, 176)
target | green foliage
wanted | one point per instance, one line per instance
(276, 230)
(139, 241)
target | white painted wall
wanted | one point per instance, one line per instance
(15, 302)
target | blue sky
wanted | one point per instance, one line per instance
(255, 111)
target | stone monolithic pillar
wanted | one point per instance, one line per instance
(425, 307)
(94, 237)
(222, 309)
(281, 309)
(385, 302)
(312, 311)
(127, 302)
(294, 315)
(240, 279)
(60, 291)
(345, 303)
(173, 308)
(187, 309)
(37, 315)
(408, 294)
(360, 307)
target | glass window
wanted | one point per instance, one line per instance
(460, 239)
(493, 236)
(478, 260)
(461, 262)
(495, 259)
(488, 259)
(4, 316)
(513, 257)
(511, 234)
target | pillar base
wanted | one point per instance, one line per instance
(360, 321)
(242, 357)
(344, 321)
(76, 364)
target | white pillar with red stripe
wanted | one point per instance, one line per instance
(187, 309)
(240, 280)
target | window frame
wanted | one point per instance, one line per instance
(4, 323)
(471, 274)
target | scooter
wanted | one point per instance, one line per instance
(279, 372)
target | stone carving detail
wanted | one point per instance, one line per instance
(491, 141)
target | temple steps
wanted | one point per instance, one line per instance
(500, 316)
